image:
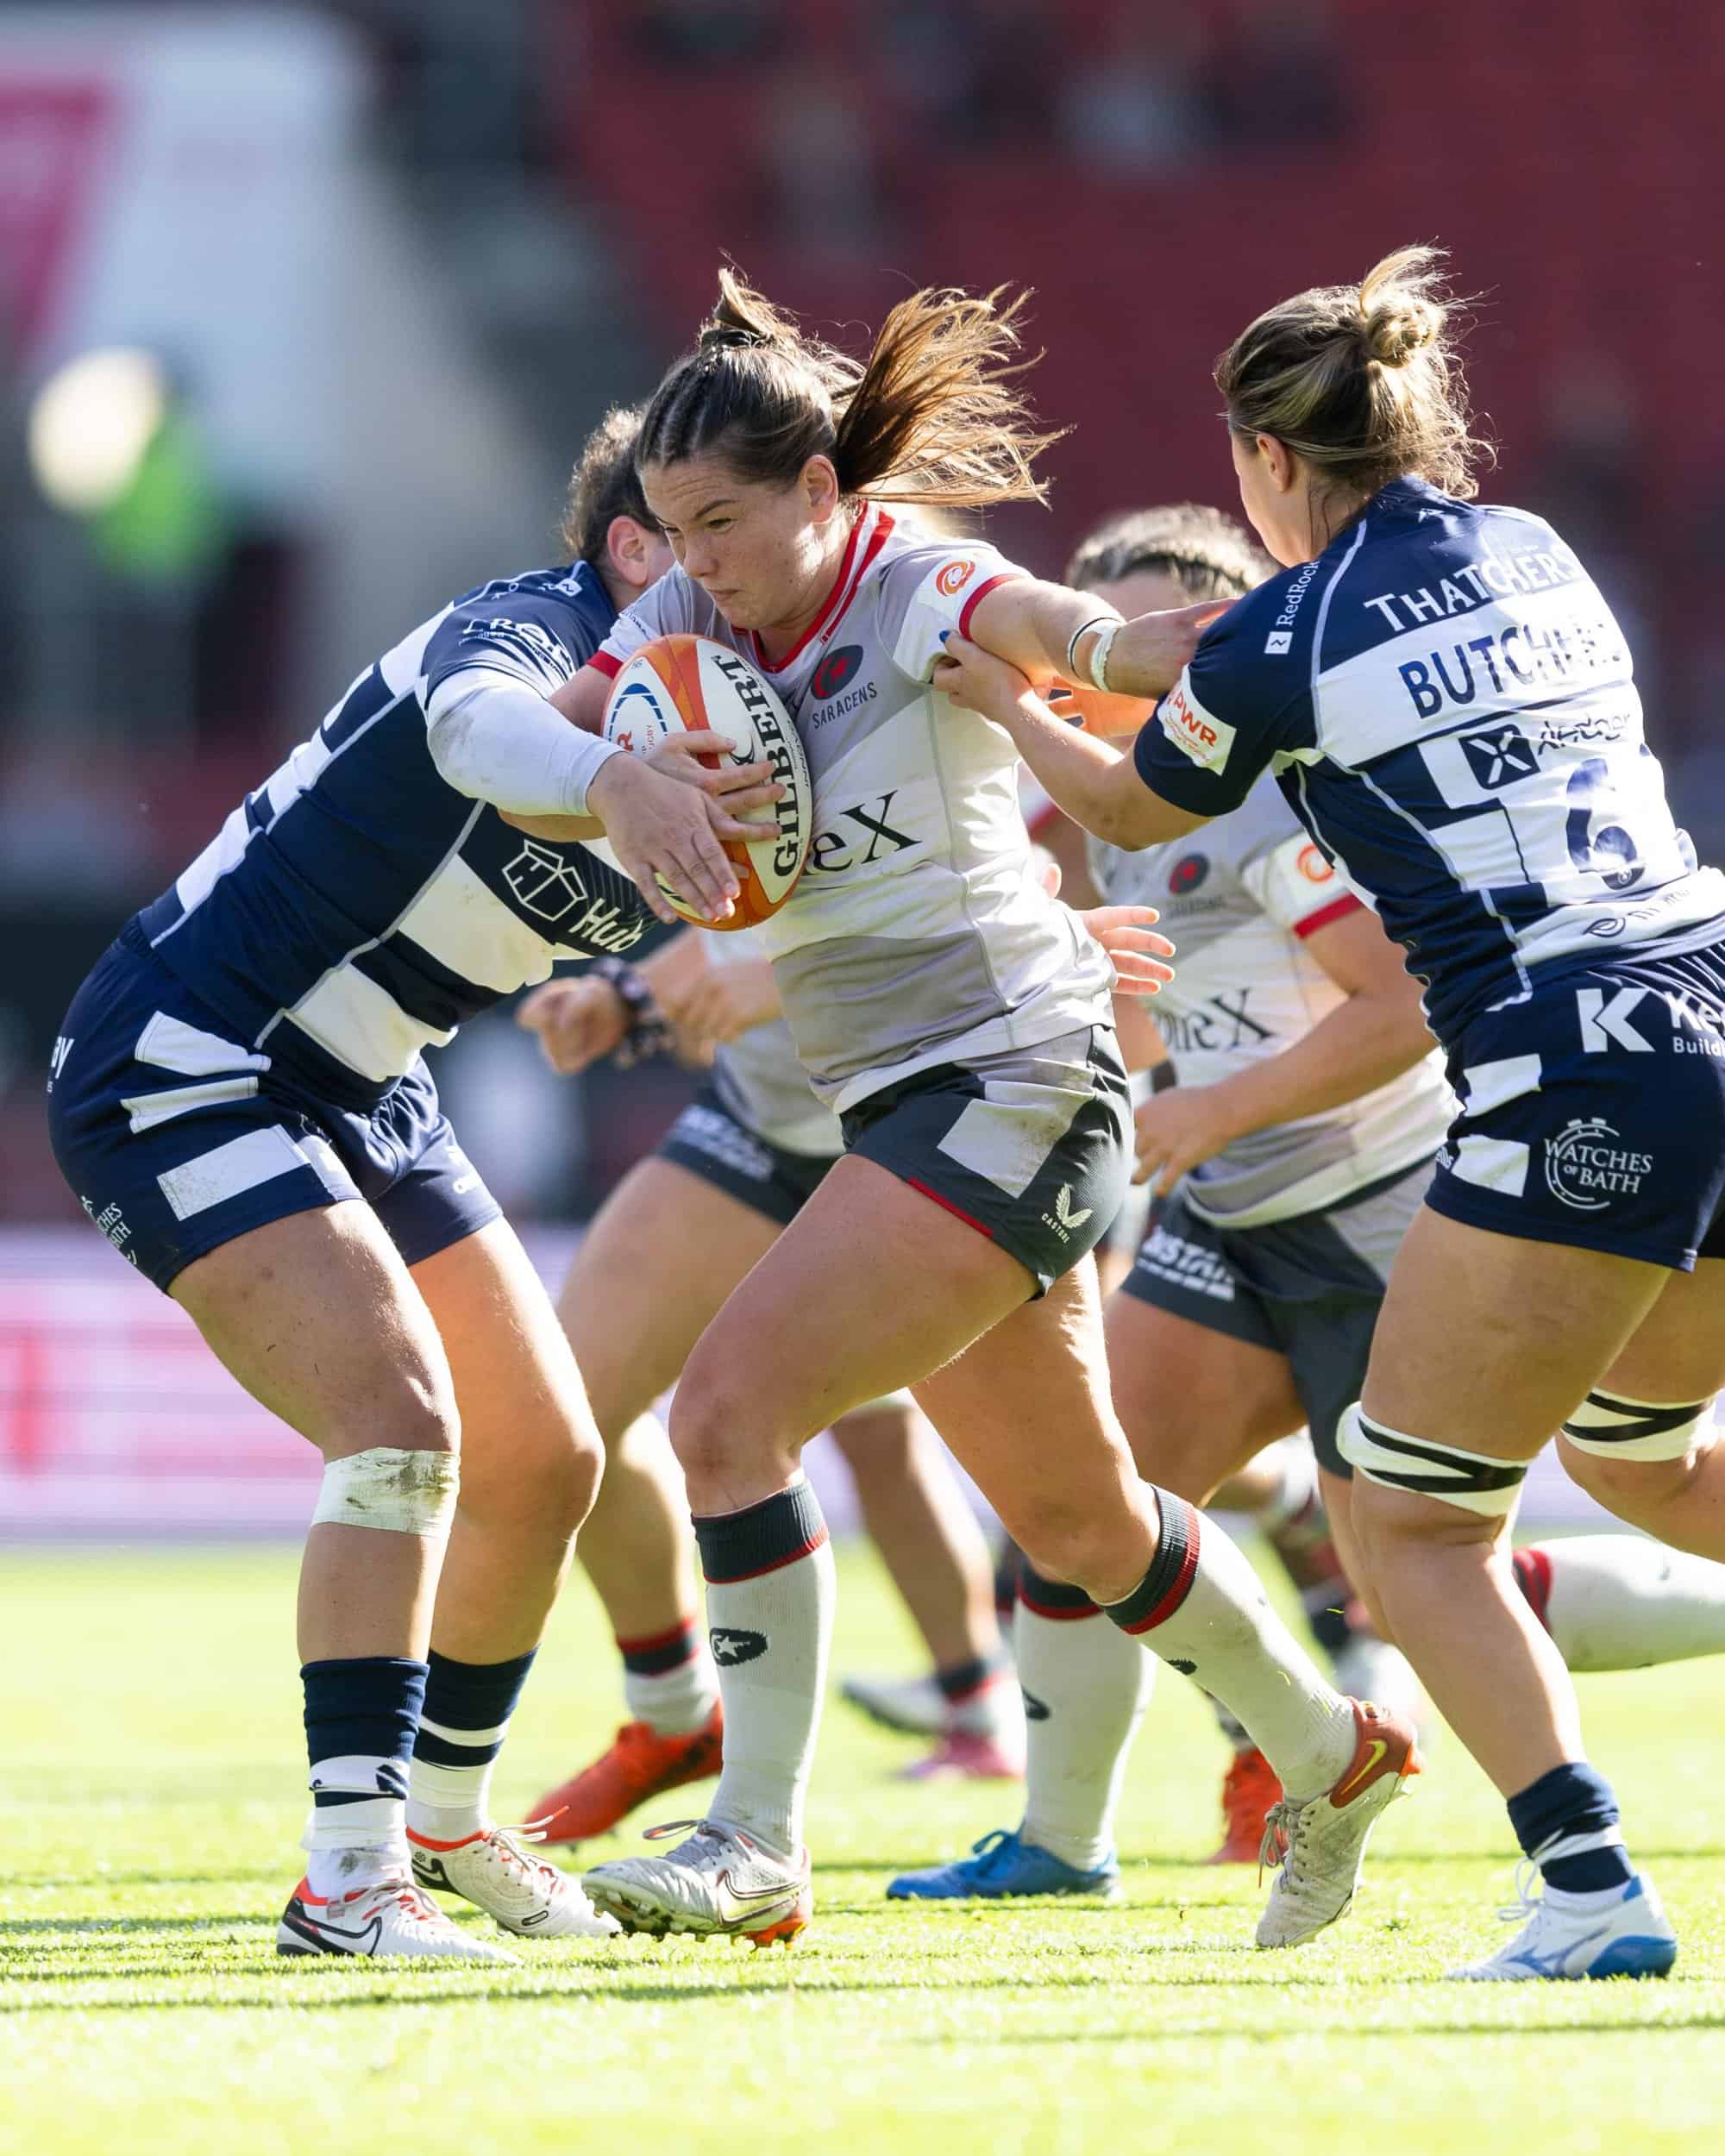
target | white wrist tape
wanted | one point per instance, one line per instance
(1097, 621)
(403, 1493)
(1613, 1428)
(1099, 655)
(495, 740)
(1475, 1481)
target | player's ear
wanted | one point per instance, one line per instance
(630, 546)
(818, 480)
(1279, 461)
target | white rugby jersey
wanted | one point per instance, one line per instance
(1238, 899)
(918, 934)
(356, 908)
(757, 1075)
(1451, 708)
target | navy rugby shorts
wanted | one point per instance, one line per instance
(1593, 1110)
(175, 1138)
(1309, 1289)
(1033, 1148)
(710, 1142)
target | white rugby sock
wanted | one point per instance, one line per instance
(1621, 1601)
(1201, 1607)
(771, 1590)
(668, 1680)
(1086, 1686)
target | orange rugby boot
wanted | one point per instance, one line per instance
(1249, 1790)
(640, 1763)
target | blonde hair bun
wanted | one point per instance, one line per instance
(1398, 315)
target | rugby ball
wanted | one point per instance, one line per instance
(698, 686)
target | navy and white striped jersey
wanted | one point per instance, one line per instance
(1451, 710)
(356, 908)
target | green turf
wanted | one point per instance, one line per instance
(150, 1811)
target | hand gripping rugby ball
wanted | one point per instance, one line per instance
(695, 685)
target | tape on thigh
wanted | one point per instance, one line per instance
(1474, 1480)
(1614, 1428)
(402, 1492)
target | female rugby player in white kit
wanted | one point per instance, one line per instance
(240, 1100)
(1450, 707)
(958, 1020)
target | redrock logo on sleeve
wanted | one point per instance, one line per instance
(1207, 740)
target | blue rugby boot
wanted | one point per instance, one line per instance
(1574, 1935)
(1001, 1865)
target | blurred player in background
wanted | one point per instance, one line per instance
(240, 1100)
(1451, 708)
(959, 1021)
(1288, 1163)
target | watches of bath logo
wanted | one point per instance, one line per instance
(544, 882)
(1587, 1168)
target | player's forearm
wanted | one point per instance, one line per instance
(495, 740)
(1032, 625)
(675, 967)
(1360, 1045)
(1142, 1046)
(1093, 783)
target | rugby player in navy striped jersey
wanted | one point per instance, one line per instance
(1451, 710)
(240, 1102)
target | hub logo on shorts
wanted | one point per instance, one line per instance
(1586, 1168)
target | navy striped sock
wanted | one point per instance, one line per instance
(1567, 1822)
(465, 1716)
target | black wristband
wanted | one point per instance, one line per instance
(647, 1030)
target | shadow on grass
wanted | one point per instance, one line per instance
(1347, 2032)
(1158, 1973)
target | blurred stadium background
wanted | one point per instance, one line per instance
(304, 311)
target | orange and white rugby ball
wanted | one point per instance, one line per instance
(699, 685)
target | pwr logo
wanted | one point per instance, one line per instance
(544, 881)
(1197, 733)
(953, 578)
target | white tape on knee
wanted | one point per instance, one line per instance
(1614, 1428)
(1474, 1480)
(403, 1493)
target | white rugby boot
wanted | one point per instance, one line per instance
(388, 1918)
(718, 1882)
(1320, 1844)
(915, 1705)
(526, 1895)
(1567, 1936)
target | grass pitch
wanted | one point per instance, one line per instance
(150, 1793)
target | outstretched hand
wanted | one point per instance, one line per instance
(1125, 932)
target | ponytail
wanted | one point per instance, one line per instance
(934, 416)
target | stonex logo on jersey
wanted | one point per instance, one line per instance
(1197, 733)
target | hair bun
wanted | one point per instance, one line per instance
(1398, 327)
(727, 336)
